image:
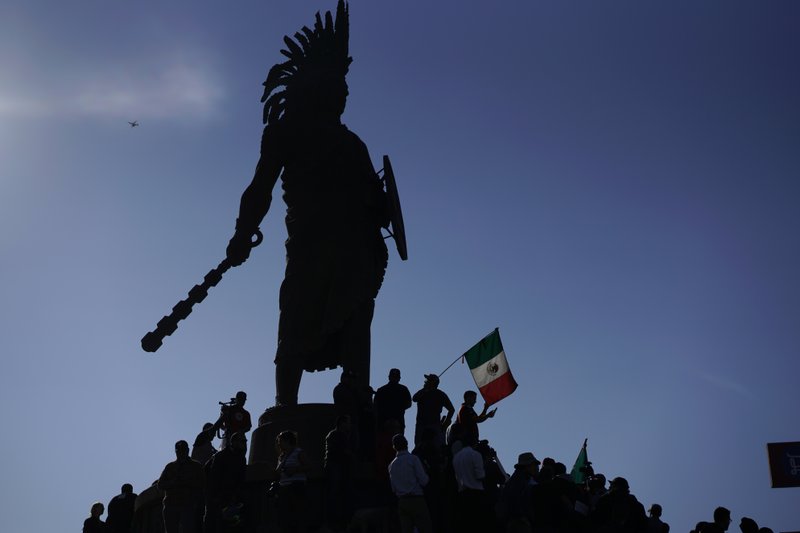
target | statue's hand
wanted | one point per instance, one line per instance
(238, 248)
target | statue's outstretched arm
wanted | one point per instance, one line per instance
(255, 203)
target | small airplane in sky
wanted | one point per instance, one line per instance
(134, 123)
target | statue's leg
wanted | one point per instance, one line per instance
(356, 343)
(287, 381)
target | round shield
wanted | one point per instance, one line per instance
(398, 231)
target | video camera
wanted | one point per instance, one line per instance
(224, 415)
(225, 406)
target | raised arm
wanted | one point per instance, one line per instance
(256, 200)
(484, 415)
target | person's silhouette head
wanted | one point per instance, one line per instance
(97, 509)
(748, 525)
(394, 375)
(286, 441)
(619, 484)
(655, 510)
(239, 442)
(127, 488)
(241, 398)
(527, 462)
(399, 443)
(470, 398)
(348, 377)
(431, 381)
(182, 450)
(722, 518)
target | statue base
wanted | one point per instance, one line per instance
(311, 422)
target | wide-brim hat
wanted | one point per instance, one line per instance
(526, 459)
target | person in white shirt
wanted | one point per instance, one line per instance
(473, 510)
(408, 477)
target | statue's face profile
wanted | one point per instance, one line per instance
(338, 97)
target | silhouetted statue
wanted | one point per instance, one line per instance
(336, 206)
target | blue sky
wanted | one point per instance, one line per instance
(613, 184)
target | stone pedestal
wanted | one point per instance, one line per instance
(311, 422)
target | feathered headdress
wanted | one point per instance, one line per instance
(316, 57)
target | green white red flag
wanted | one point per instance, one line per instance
(489, 367)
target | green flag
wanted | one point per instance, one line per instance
(578, 475)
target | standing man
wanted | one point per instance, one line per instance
(472, 504)
(517, 495)
(619, 509)
(120, 510)
(226, 471)
(655, 524)
(234, 418)
(93, 524)
(392, 400)
(469, 419)
(182, 482)
(203, 449)
(339, 458)
(408, 478)
(430, 402)
(722, 521)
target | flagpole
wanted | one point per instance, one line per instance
(462, 355)
(451, 364)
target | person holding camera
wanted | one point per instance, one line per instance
(233, 418)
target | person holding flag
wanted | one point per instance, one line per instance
(469, 419)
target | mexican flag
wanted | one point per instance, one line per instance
(487, 362)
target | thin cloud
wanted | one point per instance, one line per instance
(728, 384)
(175, 88)
(17, 105)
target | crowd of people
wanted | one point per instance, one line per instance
(450, 480)
(202, 488)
